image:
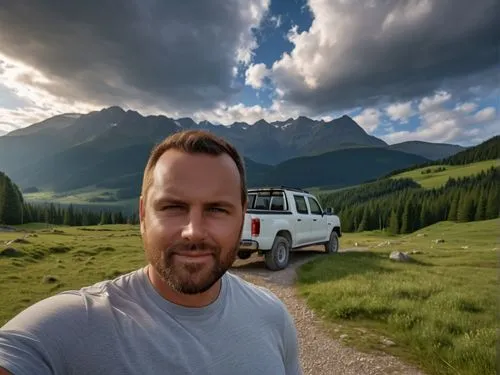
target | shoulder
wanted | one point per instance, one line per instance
(257, 295)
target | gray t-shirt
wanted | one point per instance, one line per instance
(124, 326)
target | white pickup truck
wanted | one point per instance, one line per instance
(281, 219)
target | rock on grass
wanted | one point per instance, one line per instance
(49, 279)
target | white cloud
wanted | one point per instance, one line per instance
(227, 115)
(20, 79)
(441, 124)
(276, 20)
(164, 56)
(368, 119)
(467, 107)
(252, 13)
(400, 111)
(485, 115)
(431, 103)
(255, 75)
(359, 53)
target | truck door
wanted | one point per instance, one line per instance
(319, 221)
(303, 221)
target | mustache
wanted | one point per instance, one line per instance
(184, 247)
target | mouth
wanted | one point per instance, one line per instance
(194, 255)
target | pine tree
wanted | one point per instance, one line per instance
(363, 225)
(466, 209)
(11, 208)
(425, 216)
(69, 216)
(493, 203)
(394, 222)
(452, 215)
(481, 207)
(408, 218)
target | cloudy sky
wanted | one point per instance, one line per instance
(404, 70)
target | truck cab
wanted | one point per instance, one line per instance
(282, 219)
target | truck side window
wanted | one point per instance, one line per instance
(300, 203)
(277, 203)
(262, 200)
(251, 200)
(315, 208)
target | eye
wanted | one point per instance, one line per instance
(218, 209)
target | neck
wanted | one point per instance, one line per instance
(186, 300)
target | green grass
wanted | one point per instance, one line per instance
(438, 179)
(74, 256)
(440, 310)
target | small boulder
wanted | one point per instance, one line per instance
(399, 256)
(439, 240)
(387, 342)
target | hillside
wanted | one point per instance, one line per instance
(110, 179)
(431, 151)
(437, 175)
(402, 206)
(338, 168)
(407, 201)
(487, 150)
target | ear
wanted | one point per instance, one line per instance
(142, 213)
(244, 207)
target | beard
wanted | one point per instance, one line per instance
(191, 277)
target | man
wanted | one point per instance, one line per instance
(183, 313)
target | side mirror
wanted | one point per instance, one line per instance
(328, 211)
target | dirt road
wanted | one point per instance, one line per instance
(319, 353)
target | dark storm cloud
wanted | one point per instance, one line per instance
(376, 57)
(175, 52)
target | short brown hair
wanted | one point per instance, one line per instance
(194, 142)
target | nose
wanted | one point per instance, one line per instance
(194, 229)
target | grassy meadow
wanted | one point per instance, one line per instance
(54, 259)
(89, 196)
(438, 179)
(438, 311)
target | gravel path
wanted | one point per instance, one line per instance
(319, 353)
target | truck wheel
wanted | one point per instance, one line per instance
(277, 257)
(332, 246)
(244, 254)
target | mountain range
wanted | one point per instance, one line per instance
(110, 147)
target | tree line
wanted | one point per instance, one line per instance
(15, 210)
(401, 206)
(76, 216)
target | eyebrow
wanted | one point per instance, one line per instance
(174, 200)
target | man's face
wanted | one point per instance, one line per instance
(192, 219)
